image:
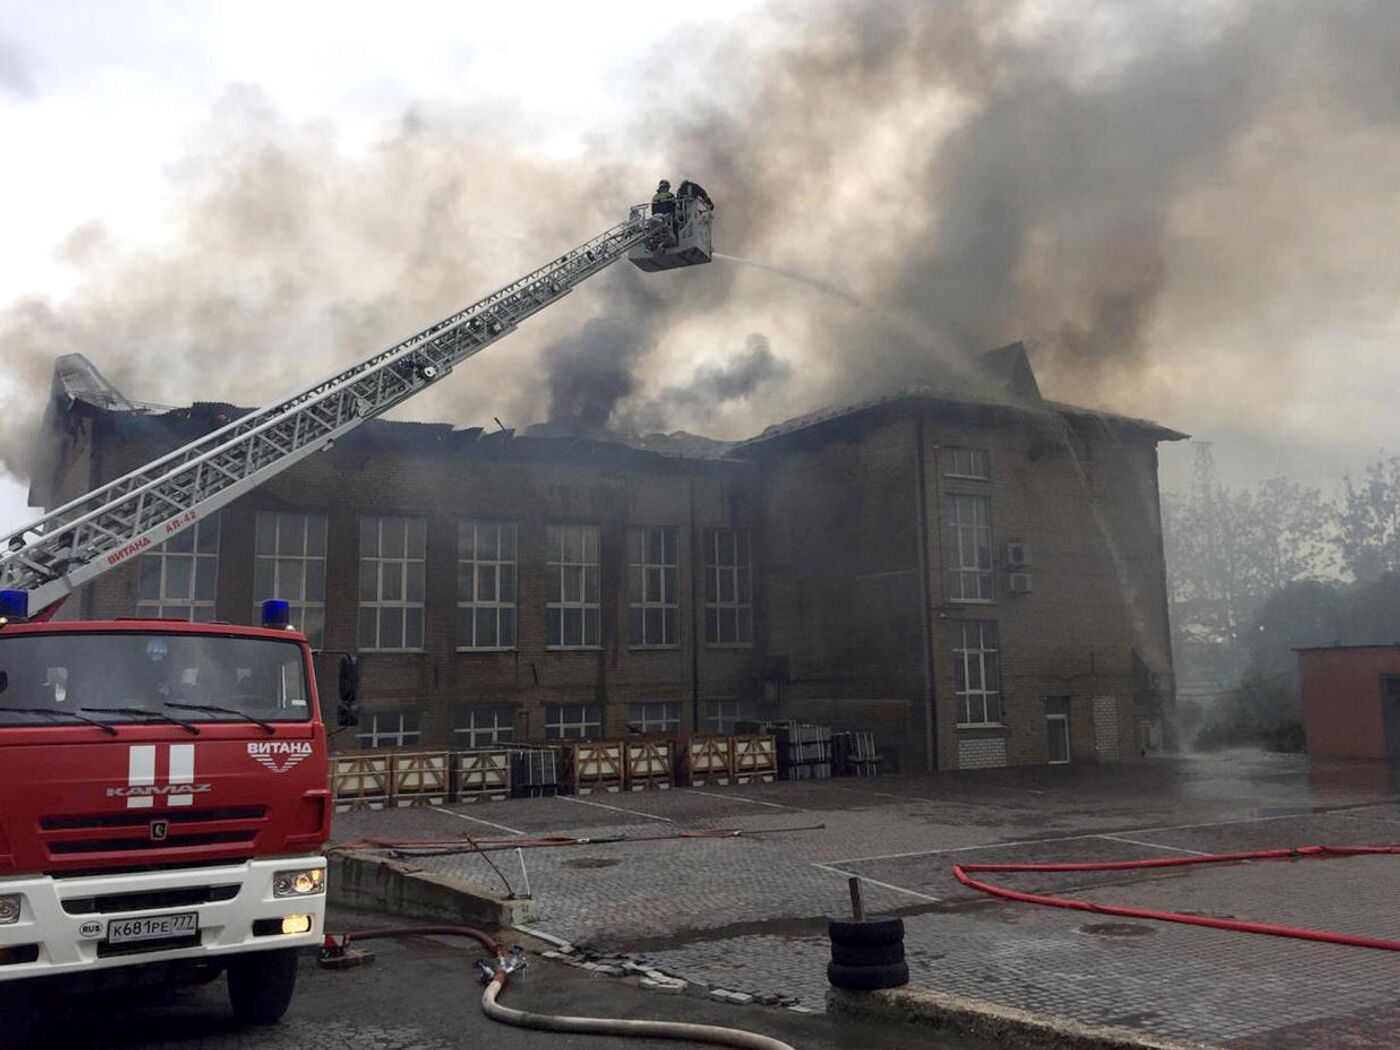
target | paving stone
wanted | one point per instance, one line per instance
(751, 911)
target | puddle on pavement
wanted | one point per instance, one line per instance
(591, 862)
(1117, 929)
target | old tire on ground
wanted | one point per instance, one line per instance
(865, 932)
(867, 954)
(260, 985)
(867, 978)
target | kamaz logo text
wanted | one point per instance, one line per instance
(141, 789)
(291, 751)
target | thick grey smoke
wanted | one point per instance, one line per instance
(714, 386)
(1179, 208)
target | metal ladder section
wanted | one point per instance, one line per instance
(81, 540)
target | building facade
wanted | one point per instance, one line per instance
(1351, 700)
(978, 580)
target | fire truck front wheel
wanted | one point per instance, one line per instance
(260, 985)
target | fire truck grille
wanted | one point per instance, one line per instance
(205, 838)
(152, 901)
(142, 819)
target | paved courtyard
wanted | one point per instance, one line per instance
(749, 913)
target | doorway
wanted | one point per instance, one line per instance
(1390, 714)
(1057, 730)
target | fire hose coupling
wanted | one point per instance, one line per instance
(507, 964)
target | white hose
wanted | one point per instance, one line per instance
(700, 1033)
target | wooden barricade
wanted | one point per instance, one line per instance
(596, 766)
(481, 774)
(709, 760)
(755, 759)
(651, 764)
(360, 781)
(419, 778)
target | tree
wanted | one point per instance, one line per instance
(1369, 521)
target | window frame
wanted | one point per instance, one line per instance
(403, 733)
(713, 718)
(962, 662)
(466, 735)
(558, 571)
(501, 563)
(956, 531)
(739, 574)
(640, 569)
(557, 723)
(951, 453)
(299, 606)
(405, 562)
(644, 720)
(170, 552)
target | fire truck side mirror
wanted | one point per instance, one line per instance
(348, 712)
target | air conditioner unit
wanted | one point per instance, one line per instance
(1018, 554)
(1019, 583)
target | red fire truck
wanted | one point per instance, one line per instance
(163, 799)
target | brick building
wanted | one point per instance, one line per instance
(1351, 700)
(979, 578)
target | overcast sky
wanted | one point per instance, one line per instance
(378, 164)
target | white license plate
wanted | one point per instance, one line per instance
(153, 928)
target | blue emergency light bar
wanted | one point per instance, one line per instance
(276, 613)
(14, 605)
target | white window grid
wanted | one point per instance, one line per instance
(728, 588)
(179, 578)
(721, 716)
(486, 582)
(968, 548)
(484, 726)
(573, 615)
(967, 463)
(573, 721)
(977, 671)
(289, 562)
(392, 551)
(654, 587)
(389, 729)
(654, 716)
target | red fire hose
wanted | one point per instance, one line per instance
(960, 872)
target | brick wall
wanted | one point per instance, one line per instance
(853, 621)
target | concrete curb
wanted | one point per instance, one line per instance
(363, 880)
(1000, 1024)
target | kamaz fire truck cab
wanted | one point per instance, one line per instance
(163, 801)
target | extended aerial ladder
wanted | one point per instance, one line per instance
(77, 542)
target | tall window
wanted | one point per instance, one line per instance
(391, 582)
(177, 579)
(573, 612)
(720, 716)
(728, 588)
(977, 671)
(965, 463)
(290, 563)
(484, 726)
(485, 585)
(388, 729)
(968, 520)
(654, 716)
(573, 721)
(654, 587)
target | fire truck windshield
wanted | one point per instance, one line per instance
(215, 678)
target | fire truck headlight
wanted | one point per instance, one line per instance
(300, 883)
(9, 908)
